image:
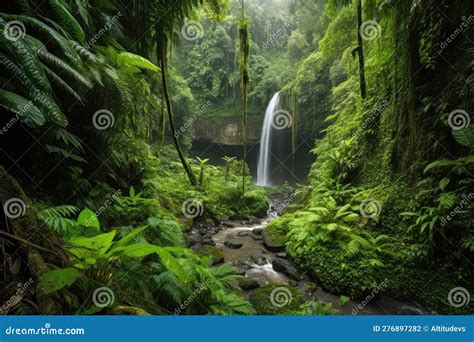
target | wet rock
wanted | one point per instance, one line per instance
(230, 224)
(257, 238)
(258, 260)
(240, 270)
(243, 233)
(208, 242)
(247, 284)
(281, 255)
(273, 240)
(285, 267)
(233, 245)
(194, 237)
(206, 236)
(257, 231)
(253, 220)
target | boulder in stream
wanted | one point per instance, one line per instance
(258, 260)
(233, 245)
(208, 242)
(247, 284)
(257, 231)
(285, 267)
(276, 299)
(230, 224)
(273, 243)
(193, 237)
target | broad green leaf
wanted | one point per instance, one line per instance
(130, 59)
(57, 279)
(127, 238)
(88, 218)
(100, 243)
(464, 136)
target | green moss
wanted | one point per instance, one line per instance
(275, 233)
(277, 300)
(256, 203)
(216, 255)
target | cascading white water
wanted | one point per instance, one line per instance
(263, 168)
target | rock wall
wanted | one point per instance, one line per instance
(228, 132)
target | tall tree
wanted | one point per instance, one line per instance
(244, 43)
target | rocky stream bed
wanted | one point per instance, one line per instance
(242, 244)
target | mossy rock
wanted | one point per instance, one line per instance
(277, 299)
(247, 284)
(216, 255)
(274, 236)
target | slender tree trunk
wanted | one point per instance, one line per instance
(186, 167)
(360, 51)
(245, 79)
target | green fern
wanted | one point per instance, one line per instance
(59, 218)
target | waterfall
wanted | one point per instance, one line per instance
(266, 142)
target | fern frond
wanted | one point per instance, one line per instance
(25, 109)
(66, 20)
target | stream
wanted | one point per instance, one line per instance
(254, 261)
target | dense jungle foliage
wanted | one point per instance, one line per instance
(100, 102)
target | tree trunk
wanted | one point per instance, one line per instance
(360, 51)
(186, 167)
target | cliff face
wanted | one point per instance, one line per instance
(228, 132)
